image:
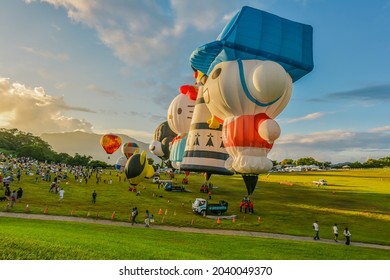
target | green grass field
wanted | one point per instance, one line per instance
(51, 240)
(286, 203)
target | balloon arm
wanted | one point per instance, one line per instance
(269, 130)
(213, 123)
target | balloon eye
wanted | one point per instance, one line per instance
(216, 73)
(203, 79)
(179, 111)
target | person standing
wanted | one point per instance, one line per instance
(61, 194)
(134, 214)
(316, 228)
(94, 195)
(336, 233)
(347, 235)
(19, 193)
(147, 218)
(13, 198)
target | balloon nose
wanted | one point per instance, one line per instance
(270, 81)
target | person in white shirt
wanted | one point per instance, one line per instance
(317, 230)
(61, 194)
(347, 235)
(336, 232)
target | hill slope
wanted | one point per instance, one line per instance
(88, 144)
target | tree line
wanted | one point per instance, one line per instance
(370, 163)
(22, 144)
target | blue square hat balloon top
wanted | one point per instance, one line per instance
(255, 34)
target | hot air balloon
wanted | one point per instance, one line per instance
(258, 55)
(137, 168)
(110, 143)
(120, 163)
(204, 151)
(163, 135)
(179, 120)
(129, 148)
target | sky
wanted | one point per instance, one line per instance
(114, 67)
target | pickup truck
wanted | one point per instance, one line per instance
(170, 187)
(203, 207)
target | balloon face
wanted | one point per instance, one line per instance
(110, 143)
(163, 135)
(259, 87)
(129, 148)
(180, 113)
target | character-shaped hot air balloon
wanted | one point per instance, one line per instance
(129, 148)
(163, 135)
(250, 69)
(179, 120)
(137, 168)
(110, 143)
(262, 90)
(204, 151)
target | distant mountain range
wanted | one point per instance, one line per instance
(88, 144)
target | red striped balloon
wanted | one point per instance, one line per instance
(129, 148)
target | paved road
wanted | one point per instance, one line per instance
(186, 229)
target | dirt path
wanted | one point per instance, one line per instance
(187, 229)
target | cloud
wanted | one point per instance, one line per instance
(101, 91)
(153, 38)
(367, 94)
(46, 54)
(32, 110)
(334, 145)
(380, 129)
(308, 117)
(141, 32)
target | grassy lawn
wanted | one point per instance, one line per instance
(53, 240)
(286, 203)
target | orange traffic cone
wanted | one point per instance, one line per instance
(218, 220)
(160, 212)
(113, 215)
(46, 210)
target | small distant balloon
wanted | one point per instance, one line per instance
(129, 148)
(120, 163)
